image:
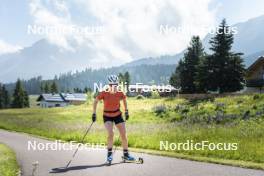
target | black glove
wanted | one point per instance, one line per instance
(94, 117)
(126, 115)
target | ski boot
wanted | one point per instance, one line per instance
(109, 159)
(130, 159)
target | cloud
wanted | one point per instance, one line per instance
(52, 14)
(131, 28)
(136, 24)
(8, 48)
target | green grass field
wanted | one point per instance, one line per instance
(8, 163)
(237, 119)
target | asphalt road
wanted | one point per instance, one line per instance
(91, 162)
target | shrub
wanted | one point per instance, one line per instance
(239, 101)
(184, 111)
(160, 109)
(246, 115)
(219, 106)
(138, 97)
(255, 97)
(155, 94)
(198, 98)
(179, 107)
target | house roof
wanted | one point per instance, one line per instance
(252, 67)
(51, 97)
(62, 97)
(74, 96)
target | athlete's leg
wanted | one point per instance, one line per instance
(122, 131)
(110, 132)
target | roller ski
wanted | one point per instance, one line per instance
(109, 160)
(130, 159)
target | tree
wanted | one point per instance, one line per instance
(121, 78)
(54, 88)
(47, 88)
(42, 87)
(236, 72)
(186, 71)
(87, 89)
(205, 76)
(26, 99)
(6, 97)
(77, 90)
(1, 97)
(227, 66)
(175, 77)
(127, 80)
(20, 96)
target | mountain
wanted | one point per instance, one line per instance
(145, 74)
(249, 40)
(42, 58)
(250, 59)
(167, 60)
(47, 59)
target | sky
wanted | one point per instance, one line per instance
(127, 29)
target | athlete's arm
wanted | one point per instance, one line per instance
(98, 98)
(125, 104)
(126, 110)
(95, 105)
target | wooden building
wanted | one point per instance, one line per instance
(60, 100)
(255, 76)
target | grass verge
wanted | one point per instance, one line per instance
(8, 163)
(238, 119)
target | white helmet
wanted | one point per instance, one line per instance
(112, 79)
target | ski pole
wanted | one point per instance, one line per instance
(87, 131)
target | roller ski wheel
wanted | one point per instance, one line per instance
(132, 160)
(109, 161)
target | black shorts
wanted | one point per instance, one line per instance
(118, 119)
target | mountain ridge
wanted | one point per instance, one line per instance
(48, 60)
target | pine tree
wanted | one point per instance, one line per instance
(186, 71)
(204, 77)
(1, 97)
(47, 88)
(54, 88)
(235, 73)
(42, 87)
(175, 77)
(6, 98)
(227, 67)
(26, 99)
(121, 78)
(20, 96)
(127, 80)
(87, 89)
(77, 90)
